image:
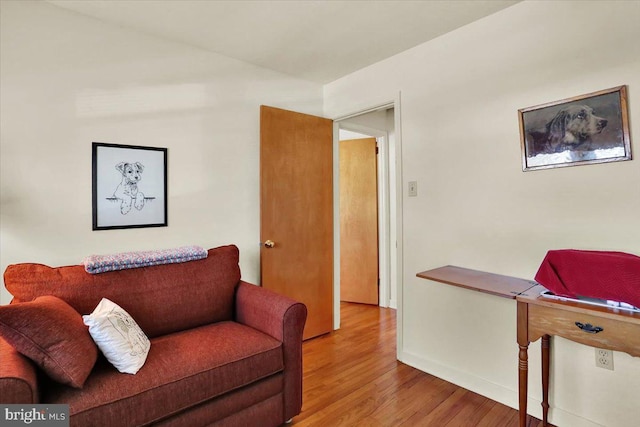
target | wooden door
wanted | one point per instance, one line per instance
(296, 211)
(358, 221)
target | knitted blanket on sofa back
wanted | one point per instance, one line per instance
(95, 264)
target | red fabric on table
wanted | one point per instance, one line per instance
(595, 274)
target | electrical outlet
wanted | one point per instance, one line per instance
(413, 188)
(604, 359)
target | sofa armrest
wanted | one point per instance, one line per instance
(283, 318)
(18, 378)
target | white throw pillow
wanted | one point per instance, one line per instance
(118, 336)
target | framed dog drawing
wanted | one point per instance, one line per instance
(129, 186)
(591, 128)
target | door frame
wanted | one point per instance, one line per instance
(395, 201)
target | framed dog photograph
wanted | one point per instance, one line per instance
(129, 186)
(591, 128)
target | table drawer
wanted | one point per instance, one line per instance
(618, 335)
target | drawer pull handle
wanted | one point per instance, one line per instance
(589, 328)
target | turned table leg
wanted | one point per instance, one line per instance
(523, 364)
(522, 383)
(546, 345)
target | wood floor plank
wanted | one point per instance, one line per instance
(499, 416)
(351, 378)
(471, 408)
(359, 404)
(425, 394)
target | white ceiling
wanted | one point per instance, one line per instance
(316, 40)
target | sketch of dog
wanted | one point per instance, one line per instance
(127, 190)
(571, 128)
(131, 332)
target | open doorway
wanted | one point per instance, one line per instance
(380, 125)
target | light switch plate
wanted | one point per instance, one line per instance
(413, 188)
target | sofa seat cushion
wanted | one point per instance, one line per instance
(182, 370)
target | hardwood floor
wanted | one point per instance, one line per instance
(352, 378)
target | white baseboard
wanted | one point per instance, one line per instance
(493, 391)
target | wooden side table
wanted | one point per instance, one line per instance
(596, 326)
(539, 318)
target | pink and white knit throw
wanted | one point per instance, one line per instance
(95, 264)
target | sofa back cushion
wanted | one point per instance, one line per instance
(162, 299)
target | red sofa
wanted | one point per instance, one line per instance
(223, 352)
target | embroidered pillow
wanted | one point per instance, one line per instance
(118, 336)
(51, 333)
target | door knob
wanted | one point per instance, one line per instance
(269, 244)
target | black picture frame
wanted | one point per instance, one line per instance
(129, 186)
(585, 129)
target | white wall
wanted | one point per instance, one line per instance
(460, 95)
(68, 80)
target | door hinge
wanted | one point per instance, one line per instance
(377, 150)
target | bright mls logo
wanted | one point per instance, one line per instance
(35, 415)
